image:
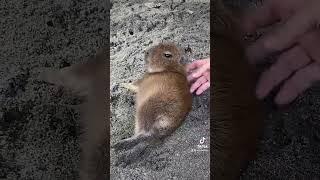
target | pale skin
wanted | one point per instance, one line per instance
(199, 75)
(296, 39)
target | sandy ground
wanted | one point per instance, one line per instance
(38, 133)
(136, 25)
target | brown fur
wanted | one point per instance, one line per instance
(88, 79)
(237, 114)
(163, 99)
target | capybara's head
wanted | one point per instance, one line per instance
(163, 56)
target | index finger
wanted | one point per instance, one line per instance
(195, 64)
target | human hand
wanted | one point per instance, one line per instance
(199, 73)
(297, 37)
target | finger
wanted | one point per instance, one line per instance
(197, 84)
(286, 64)
(201, 70)
(260, 17)
(283, 36)
(202, 88)
(191, 78)
(195, 64)
(301, 81)
(206, 75)
(191, 66)
(310, 43)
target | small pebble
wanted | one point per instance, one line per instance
(189, 11)
(152, 5)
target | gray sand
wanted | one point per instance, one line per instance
(138, 25)
(38, 134)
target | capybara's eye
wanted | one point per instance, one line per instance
(167, 54)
